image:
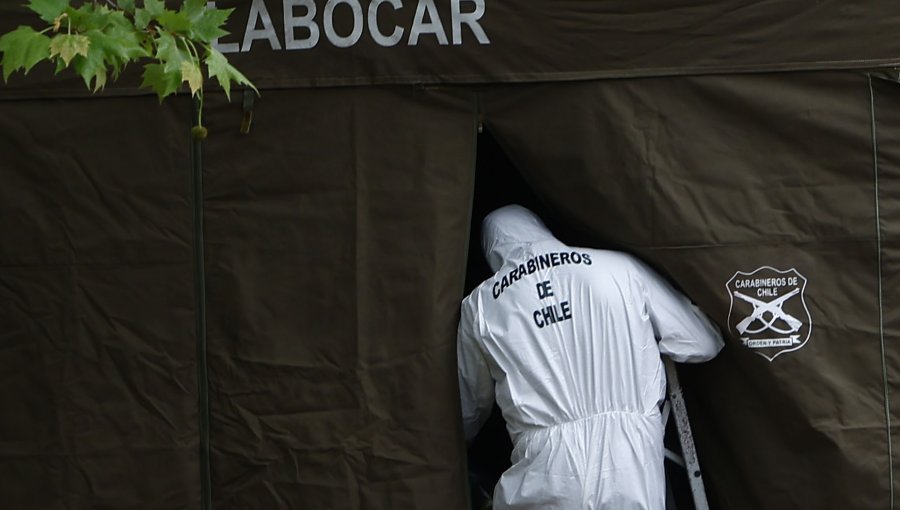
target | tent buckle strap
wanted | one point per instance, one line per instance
(247, 107)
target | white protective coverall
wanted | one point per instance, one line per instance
(568, 341)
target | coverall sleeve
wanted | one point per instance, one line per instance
(476, 387)
(684, 332)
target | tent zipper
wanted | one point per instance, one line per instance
(199, 271)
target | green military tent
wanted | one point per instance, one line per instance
(267, 320)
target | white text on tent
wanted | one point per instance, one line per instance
(302, 32)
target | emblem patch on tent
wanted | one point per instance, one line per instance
(768, 311)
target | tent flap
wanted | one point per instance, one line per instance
(757, 195)
(96, 306)
(335, 252)
(885, 96)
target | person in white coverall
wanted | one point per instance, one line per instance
(568, 341)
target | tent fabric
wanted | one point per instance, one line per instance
(311, 43)
(335, 238)
(333, 280)
(705, 177)
(335, 241)
(560, 40)
(886, 130)
(97, 307)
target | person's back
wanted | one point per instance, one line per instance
(569, 338)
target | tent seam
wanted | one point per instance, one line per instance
(357, 499)
(43, 91)
(200, 302)
(887, 405)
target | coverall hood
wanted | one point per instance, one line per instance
(509, 229)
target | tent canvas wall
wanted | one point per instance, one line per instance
(268, 320)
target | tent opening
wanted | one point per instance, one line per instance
(497, 183)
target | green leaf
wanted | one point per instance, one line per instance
(154, 7)
(190, 72)
(114, 48)
(128, 42)
(48, 10)
(174, 21)
(169, 53)
(98, 41)
(22, 49)
(208, 26)
(193, 8)
(67, 46)
(219, 68)
(142, 18)
(118, 21)
(162, 82)
(88, 17)
(92, 69)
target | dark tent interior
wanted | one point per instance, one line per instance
(497, 183)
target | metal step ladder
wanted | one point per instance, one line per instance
(688, 458)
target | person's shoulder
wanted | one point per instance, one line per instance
(477, 295)
(472, 306)
(610, 259)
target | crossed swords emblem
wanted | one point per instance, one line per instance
(775, 314)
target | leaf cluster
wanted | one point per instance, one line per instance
(99, 38)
